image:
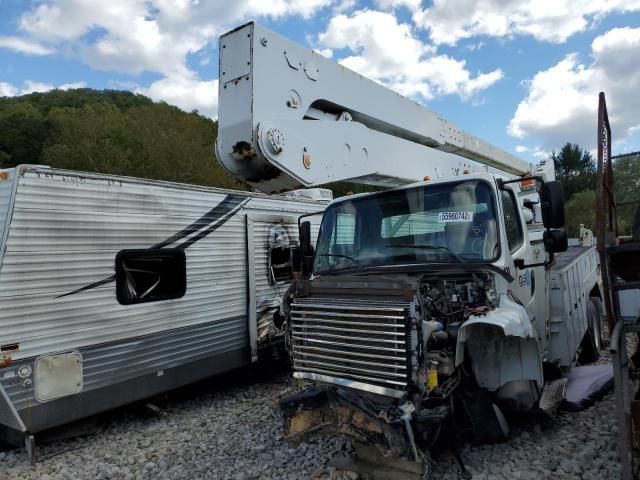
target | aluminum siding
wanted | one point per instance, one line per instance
(65, 233)
(67, 229)
(114, 362)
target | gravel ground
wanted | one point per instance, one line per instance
(230, 428)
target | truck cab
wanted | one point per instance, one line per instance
(408, 287)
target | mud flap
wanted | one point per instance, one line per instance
(487, 423)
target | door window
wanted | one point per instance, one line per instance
(513, 227)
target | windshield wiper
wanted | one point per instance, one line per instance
(354, 260)
(451, 253)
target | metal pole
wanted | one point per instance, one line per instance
(623, 404)
(606, 226)
(603, 207)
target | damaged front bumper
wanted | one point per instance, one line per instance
(386, 423)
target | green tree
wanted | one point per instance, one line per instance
(96, 137)
(626, 175)
(150, 141)
(22, 134)
(580, 209)
(575, 168)
(44, 102)
(179, 146)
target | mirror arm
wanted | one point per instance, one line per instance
(519, 263)
(321, 212)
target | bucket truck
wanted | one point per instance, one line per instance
(451, 297)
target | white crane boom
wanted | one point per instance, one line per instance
(289, 117)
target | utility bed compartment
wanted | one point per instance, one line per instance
(574, 275)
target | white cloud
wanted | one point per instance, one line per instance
(343, 6)
(30, 86)
(389, 52)
(540, 154)
(7, 90)
(147, 35)
(151, 36)
(132, 37)
(562, 101)
(281, 8)
(22, 45)
(72, 85)
(472, 47)
(536, 152)
(546, 20)
(186, 93)
(325, 52)
(391, 4)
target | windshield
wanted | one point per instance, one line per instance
(440, 223)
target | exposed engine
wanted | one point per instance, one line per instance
(446, 304)
(383, 352)
(451, 300)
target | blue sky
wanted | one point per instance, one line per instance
(522, 75)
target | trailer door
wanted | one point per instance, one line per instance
(272, 246)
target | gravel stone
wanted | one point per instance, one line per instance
(235, 432)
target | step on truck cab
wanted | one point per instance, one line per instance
(433, 303)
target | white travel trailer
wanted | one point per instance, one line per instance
(113, 289)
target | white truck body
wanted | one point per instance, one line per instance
(574, 277)
(70, 348)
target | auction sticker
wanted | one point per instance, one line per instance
(449, 217)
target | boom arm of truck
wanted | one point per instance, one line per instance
(289, 117)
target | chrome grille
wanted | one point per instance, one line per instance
(358, 340)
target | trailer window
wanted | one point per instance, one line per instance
(150, 275)
(511, 220)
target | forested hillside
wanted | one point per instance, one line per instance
(113, 132)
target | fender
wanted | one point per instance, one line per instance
(501, 345)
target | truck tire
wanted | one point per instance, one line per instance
(588, 351)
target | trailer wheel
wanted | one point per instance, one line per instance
(588, 351)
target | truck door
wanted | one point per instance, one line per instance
(530, 285)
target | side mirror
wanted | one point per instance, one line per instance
(555, 241)
(305, 239)
(306, 250)
(552, 204)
